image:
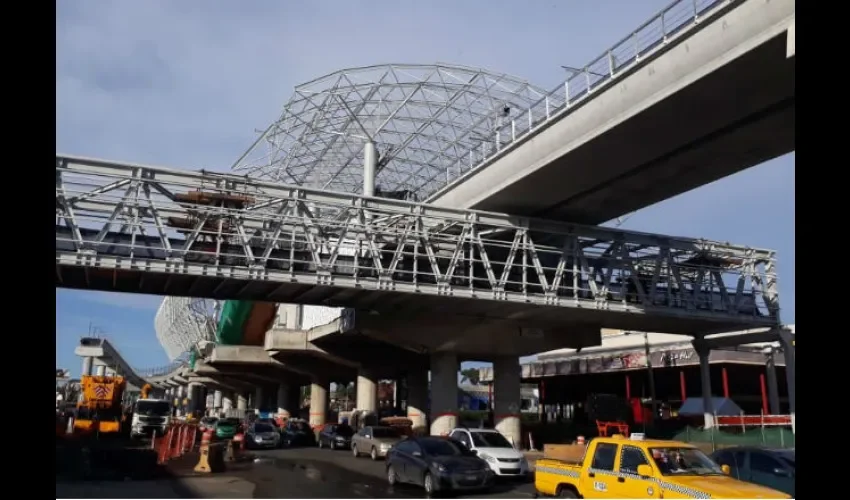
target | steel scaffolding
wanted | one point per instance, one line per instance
(114, 219)
(182, 322)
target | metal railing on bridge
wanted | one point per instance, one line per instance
(673, 23)
(114, 219)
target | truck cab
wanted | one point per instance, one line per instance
(149, 416)
(620, 467)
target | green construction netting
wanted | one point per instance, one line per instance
(231, 325)
(193, 356)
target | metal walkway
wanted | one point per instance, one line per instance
(134, 228)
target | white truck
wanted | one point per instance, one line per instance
(149, 416)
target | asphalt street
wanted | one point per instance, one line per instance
(315, 473)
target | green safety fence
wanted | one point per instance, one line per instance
(231, 325)
(771, 437)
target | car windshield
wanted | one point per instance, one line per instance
(441, 448)
(490, 440)
(344, 431)
(153, 408)
(263, 428)
(384, 433)
(267, 421)
(680, 461)
(208, 420)
(227, 422)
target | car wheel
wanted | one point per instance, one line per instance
(332, 445)
(354, 451)
(567, 493)
(428, 484)
(374, 453)
(391, 477)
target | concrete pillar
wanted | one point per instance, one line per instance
(506, 392)
(87, 364)
(444, 392)
(217, 400)
(99, 370)
(705, 380)
(259, 398)
(319, 402)
(789, 350)
(241, 402)
(284, 400)
(109, 372)
(417, 398)
(367, 390)
(227, 402)
(196, 399)
(772, 385)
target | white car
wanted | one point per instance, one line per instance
(495, 449)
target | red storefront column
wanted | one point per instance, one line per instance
(628, 388)
(682, 385)
(725, 382)
(765, 408)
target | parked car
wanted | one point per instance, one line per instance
(495, 449)
(336, 436)
(774, 468)
(226, 428)
(297, 432)
(262, 435)
(375, 440)
(437, 464)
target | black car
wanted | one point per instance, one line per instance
(297, 433)
(437, 464)
(774, 468)
(262, 435)
(336, 436)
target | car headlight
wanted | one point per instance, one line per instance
(439, 467)
(487, 457)
(258, 439)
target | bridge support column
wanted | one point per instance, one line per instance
(99, 370)
(217, 400)
(367, 390)
(196, 402)
(506, 392)
(87, 364)
(444, 392)
(417, 398)
(227, 402)
(284, 400)
(704, 352)
(241, 402)
(772, 385)
(259, 398)
(789, 350)
(319, 402)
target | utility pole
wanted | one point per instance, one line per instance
(651, 377)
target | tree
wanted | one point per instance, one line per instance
(470, 375)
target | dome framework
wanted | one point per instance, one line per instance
(429, 124)
(182, 322)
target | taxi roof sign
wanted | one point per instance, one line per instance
(638, 436)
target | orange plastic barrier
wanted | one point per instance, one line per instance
(178, 440)
(605, 427)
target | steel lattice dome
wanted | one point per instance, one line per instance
(182, 322)
(429, 124)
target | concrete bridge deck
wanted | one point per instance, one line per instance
(658, 115)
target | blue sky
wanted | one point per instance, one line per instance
(186, 84)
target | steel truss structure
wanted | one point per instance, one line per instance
(117, 220)
(429, 123)
(182, 322)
